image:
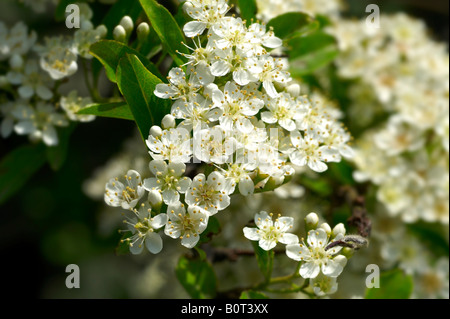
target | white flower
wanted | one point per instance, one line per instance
(213, 145)
(179, 87)
(186, 225)
(125, 192)
(15, 41)
(72, 103)
(39, 123)
(32, 81)
(210, 194)
(309, 152)
(196, 114)
(58, 58)
(269, 233)
(324, 285)
(240, 174)
(433, 282)
(272, 71)
(236, 107)
(285, 111)
(206, 13)
(169, 180)
(143, 227)
(173, 145)
(86, 36)
(314, 256)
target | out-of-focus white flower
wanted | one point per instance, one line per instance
(433, 282)
(72, 103)
(125, 191)
(268, 232)
(186, 225)
(39, 123)
(16, 41)
(58, 57)
(38, 6)
(32, 81)
(85, 37)
(324, 285)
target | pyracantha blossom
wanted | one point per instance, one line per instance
(210, 194)
(308, 151)
(168, 180)
(214, 145)
(269, 233)
(285, 111)
(125, 192)
(206, 13)
(323, 285)
(173, 145)
(143, 227)
(186, 225)
(72, 103)
(39, 123)
(16, 41)
(58, 57)
(314, 256)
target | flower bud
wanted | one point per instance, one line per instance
(119, 34)
(155, 131)
(326, 228)
(143, 30)
(102, 30)
(128, 24)
(311, 221)
(155, 199)
(168, 122)
(293, 89)
(338, 229)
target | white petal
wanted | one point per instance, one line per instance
(270, 89)
(267, 244)
(246, 186)
(26, 92)
(157, 166)
(194, 28)
(190, 241)
(220, 68)
(6, 127)
(154, 243)
(332, 268)
(151, 184)
(241, 77)
(251, 233)
(170, 196)
(317, 165)
(288, 239)
(137, 247)
(49, 136)
(159, 221)
(317, 238)
(309, 270)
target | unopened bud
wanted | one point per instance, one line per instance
(119, 34)
(155, 199)
(128, 24)
(311, 221)
(143, 30)
(168, 122)
(338, 229)
(293, 89)
(102, 30)
(155, 131)
(326, 228)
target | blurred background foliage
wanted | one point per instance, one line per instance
(50, 222)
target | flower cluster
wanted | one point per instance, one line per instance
(29, 94)
(319, 256)
(236, 109)
(406, 75)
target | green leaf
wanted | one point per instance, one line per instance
(197, 277)
(167, 29)
(56, 155)
(119, 110)
(109, 53)
(248, 10)
(394, 284)
(308, 64)
(290, 24)
(264, 259)
(308, 44)
(251, 294)
(17, 167)
(137, 85)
